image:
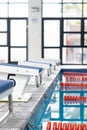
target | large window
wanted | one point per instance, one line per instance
(51, 38)
(13, 30)
(68, 20)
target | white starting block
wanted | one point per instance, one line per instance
(21, 74)
(57, 61)
(53, 62)
(44, 65)
(6, 89)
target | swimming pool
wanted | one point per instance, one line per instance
(53, 108)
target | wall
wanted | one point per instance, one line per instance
(34, 29)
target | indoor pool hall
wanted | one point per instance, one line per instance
(43, 64)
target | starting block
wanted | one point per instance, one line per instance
(53, 62)
(6, 89)
(21, 74)
(44, 65)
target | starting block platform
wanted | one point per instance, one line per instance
(6, 89)
(21, 74)
(46, 66)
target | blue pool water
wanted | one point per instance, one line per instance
(52, 106)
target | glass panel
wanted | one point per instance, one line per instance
(85, 55)
(71, 113)
(3, 1)
(16, 1)
(52, 53)
(52, 33)
(85, 10)
(85, 0)
(54, 10)
(3, 38)
(51, 1)
(73, 1)
(72, 10)
(85, 39)
(18, 54)
(72, 25)
(21, 10)
(3, 10)
(72, 55)
(85, 25)
(3, 54)
(18, 32)
(72, 39)
(3, 25)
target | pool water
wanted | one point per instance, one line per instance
(53, 108)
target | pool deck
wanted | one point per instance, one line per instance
(22, 111)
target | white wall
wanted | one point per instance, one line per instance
(34, 29)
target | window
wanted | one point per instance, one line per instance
(51, 28)
(68, 20)
(13, 30)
